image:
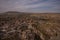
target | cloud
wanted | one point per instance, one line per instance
(30, 5)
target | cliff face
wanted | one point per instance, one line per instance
(29, 26)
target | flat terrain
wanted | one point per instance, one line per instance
(29, 26)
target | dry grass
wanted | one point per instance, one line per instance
(47, 24)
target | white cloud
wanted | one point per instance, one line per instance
(28, 5)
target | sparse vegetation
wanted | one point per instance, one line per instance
(29, 26)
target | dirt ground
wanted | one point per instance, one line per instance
(29, 26)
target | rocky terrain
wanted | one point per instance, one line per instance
(29, 26)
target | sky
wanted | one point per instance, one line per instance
(41, 6)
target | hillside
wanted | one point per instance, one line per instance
(29, 26)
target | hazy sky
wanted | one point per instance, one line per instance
(30, 5)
